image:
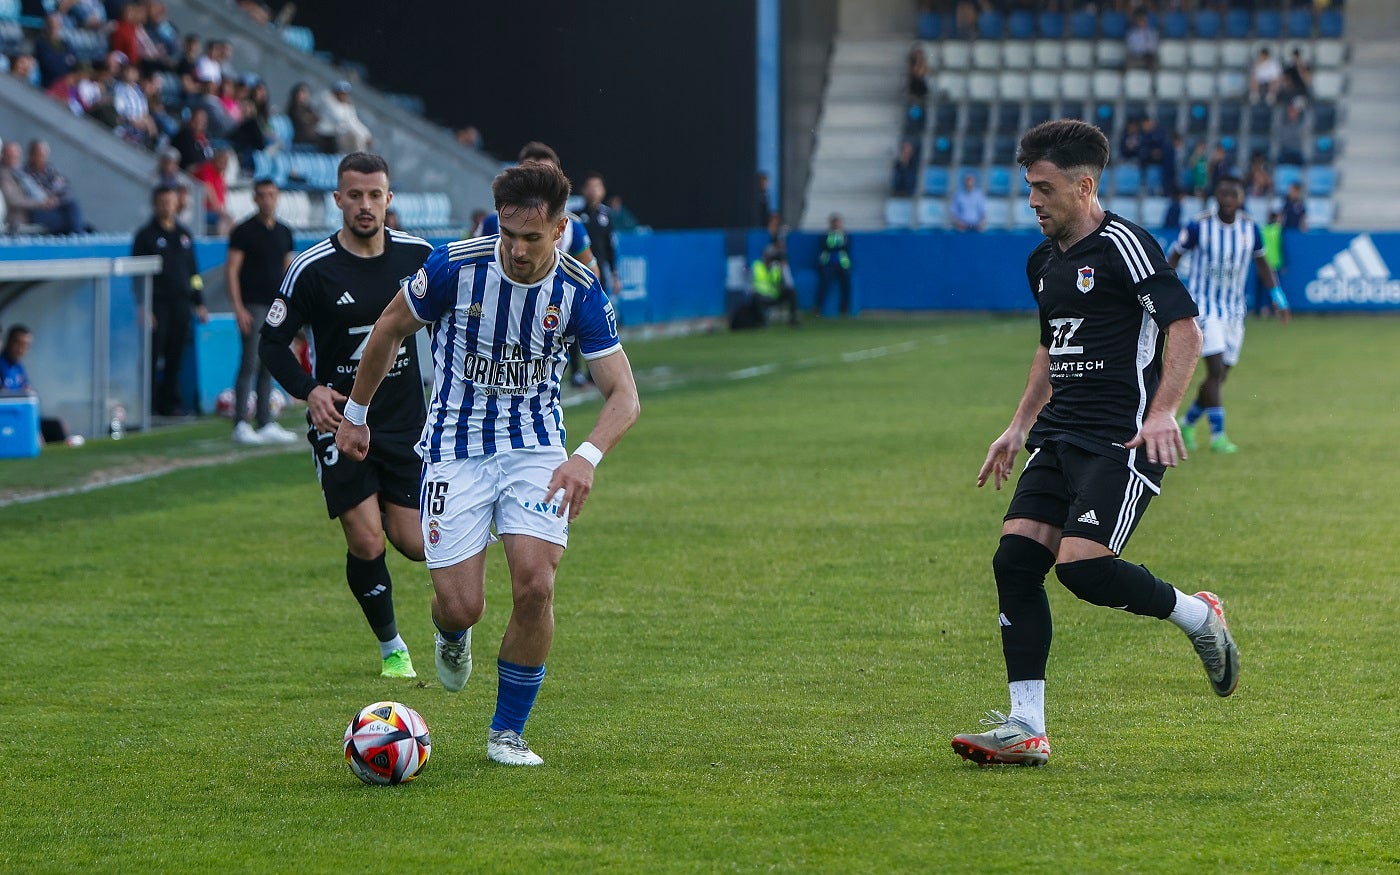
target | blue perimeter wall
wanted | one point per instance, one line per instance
(686, 275)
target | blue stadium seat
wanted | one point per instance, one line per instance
(1198, 120)
(941, 155)
(1208, 24)
(1237, 22)
(1322, 180)
(998, 213)
(1285, 175)
(1083, 25)
(989, 25)
(1259, 145)
(1152, 181)
(936, 181)
(1324, 119)
(1051, 25)
(1008, 118)
(930, 25)
(1174, 25)
(945, 117)
(1299, 23)
(1228, 117)
(1330, 24)
(1041, 111)
(299, 38)
(1320, 212)
(1324, 150)
(978, 118)
(1127, 180)
(1114, 24)
(998, 182)
(1168, 116)
(899, 212)
(1076, 109)
(1268, 24)
(1261, 118)
(281, 128)
(1004, 149)
(1020, 25)
(9, 10)
(933, 213)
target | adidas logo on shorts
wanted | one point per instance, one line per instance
(1089, 517)
(345, 299)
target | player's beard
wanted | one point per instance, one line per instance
(374, 231)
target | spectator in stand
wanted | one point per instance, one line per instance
(1295, 209)
(624, 220)
(965, 17)
(53, 184)
(1220, 166)
(258, 11)
(1297, 78)
(340, 125)
(905, 175)
(167, 174)
(1162, 150)
(187, 66)
(213, 66)
(1289, 135)
(163, 34)
(25, 70)
(1141, 40)
(129, 37)
(1198, 169)
(478, 216)
(87, 14)
(133, 110)
(1265, 78)
(192, 140)
(213, 174)
(1153, 145)
(166, 124)
(916, 90)
(1260, 180)
(470, 138)
(305, 119)
(1130, 145)
(229, 94)
(255, 132)
(969, 208)
(51, 52)
(178, 294)
(14, 380)
(25, 200)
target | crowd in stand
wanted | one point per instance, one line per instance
(1171, 167)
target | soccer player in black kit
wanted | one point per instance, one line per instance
(1118, 346)
(337, 289)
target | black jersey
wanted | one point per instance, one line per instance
(338, 297)
(1102, 307)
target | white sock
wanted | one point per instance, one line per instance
(1190, 613)
(388, 647)
(1028, 704)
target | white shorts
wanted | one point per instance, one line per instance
(1223, 337)
(463, 498)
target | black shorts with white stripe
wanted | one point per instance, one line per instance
(1085, 494)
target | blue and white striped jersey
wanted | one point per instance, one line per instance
(500, 348)
(1218, 272)
(574, 241)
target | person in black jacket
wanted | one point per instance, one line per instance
(177, 292)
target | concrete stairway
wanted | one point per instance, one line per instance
(1368, 196)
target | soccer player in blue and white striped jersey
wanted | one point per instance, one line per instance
(503, 311)
(1222, 245)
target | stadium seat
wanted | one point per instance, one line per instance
(998, 182)
(9, 10)
(1168, 118)
(990, 25)
(1261, 118)
(1328, 84)
(957, 55)
(1076, 109)
(1324, 150)
(1200, 85)
(941, 155)
(1047, 54)
(998, 213)
(982, 85)
(1259, 145)
(1083, 25)
(1107, 84)
(1227, 118)
(1198, 119)
(945, 118)
(1207, 24)
(951, 84)
(1203, 54)
(1321, 180)
(1040, 111)
(1154, 210)
(1330, 24)
(281, 128)
(1044, 87)
(1127, 180)
(1008, 119)
(899, 212)
(1171, 55)
(1110, 53)
(1329, 53)
(1079, 54)
(1017, 56)
(977, 118)
(1013, 84)
(1137, 85)
(1287, 174)
(1113, 24)
(1237, 23)
(299, 38)
(1232, 83)
(1127, 207)
(1236, 54)
(1169, 84)
(1051, 25)
(936, 181)
(986, 55)
(1324, 117)
(1020, 25)
(1299, 23)
(933, 213)
(1268, 24)
(930, 26)
(1174, 25)
(1004, 149)
(1320, 212)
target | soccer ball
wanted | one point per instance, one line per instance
(387, 743)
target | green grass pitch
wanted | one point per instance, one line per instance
(777, 609)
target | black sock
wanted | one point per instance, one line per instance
(1114, 583)
(370, 584)
(1020, 565)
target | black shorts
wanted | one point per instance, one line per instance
(392, 469)
(1085, 494)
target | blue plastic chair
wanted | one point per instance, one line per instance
(1174, 25)
(1208, 24)
(1237, 23)
(1127, 180)
(1322, 180)
(1052, 25)
(1083, 25)
(930, 25)
(936, 181)
(1114, 24)
(989, 25)
(1299, 24)
(1330, 23)
(998, 182)
(1268, 24)
(1020, 25)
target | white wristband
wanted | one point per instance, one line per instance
(589, 452)
(355, 413)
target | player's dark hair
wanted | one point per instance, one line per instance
(537, 151)
(163, 189)
(15, 331)
(592, 174)
(532, 185)
(1229, 180)
(1066, 143)
(361, 162)
(264, 180)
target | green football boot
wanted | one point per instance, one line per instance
(398, 665)
(1188, 435)
(1221, 444)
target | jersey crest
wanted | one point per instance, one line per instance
(1085, 283)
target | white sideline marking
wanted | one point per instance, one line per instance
(662, 376)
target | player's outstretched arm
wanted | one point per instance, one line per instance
(1160, 434)
(1001, 455)
(612, 374)
(394, 324)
